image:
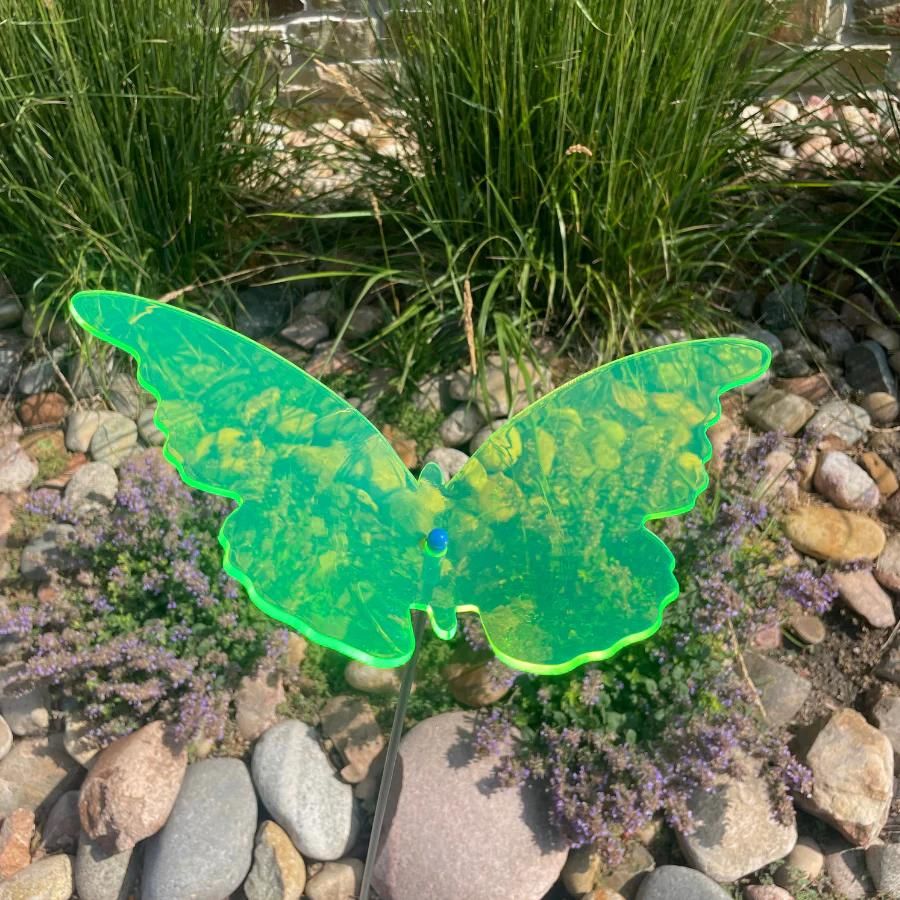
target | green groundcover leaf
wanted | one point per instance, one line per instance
(541, 532)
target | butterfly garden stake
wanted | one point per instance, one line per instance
(541, 533)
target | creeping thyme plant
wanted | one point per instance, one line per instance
(144, 623)
(619, 742)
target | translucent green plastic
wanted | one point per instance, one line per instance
(546, 521)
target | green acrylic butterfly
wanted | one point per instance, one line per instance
(546, 521)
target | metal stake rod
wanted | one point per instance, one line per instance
(390, 758)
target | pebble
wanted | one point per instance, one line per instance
(47, 553)
(6, 737)
(149, 433)
(449, 459)
(15, 842)
(884, 336)
(737, 831)
(60, 831)
(781, 690)
(842, 419)
(49, 878)
(625, 878)
(302, 792)
(371, 679)
(844, 483)
(10, 310)
(114, 439)
(80, 427)
(880, 472)
(847, 872)
(887, 568)
(336, 881)
(327, 305)
(92, 488)
(806, 859)
(852, 765)
(278, 871)
(765, 892)
(784, 306)
(125, 395)
(12, 351)
(484, 433)
(883, 863)
(885, 716)
(17, 468)
(305, 331)
(100, 875)
(460, 426)
(882, 407)
(777, 410)
(35, 774)
(862, 594)
(46, 408)
(27, 713)
(472, 837)
(679, 883)
(37, 376)
(256, 703)
(262, 309)
(205, 849)
(131, 788)
(349, 723)
(814, 388)
(476, 678)
(832, 534)
(808, 628)
(363, 321)
(580, 871)
(867, 369)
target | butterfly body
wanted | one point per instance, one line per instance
(541, 532)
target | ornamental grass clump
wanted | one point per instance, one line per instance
(148, 626)
(619, 742)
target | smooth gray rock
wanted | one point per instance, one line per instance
(205, 849)
(679, 883)
(10, 306)
(449, 459)
(299, 787)
(777, 410)
(38, 376)
(866, 368)
(305, 331)
(781, 690)
(472, 837)
(92, 487)
(17, 468)
(784, 307)
(460, 426)
(49, 878)
(114, 439)
(47, 553)
(61, 830)
(263, 310)
(150, 434)
(125, 395)
(100, 875)
(327, 305)
(12, 352)
(883, 862)
(80, 427)
(846, 421)
(36, 773)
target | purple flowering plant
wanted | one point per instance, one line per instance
(618, 743)
(143, 623)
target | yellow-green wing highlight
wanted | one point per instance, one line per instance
(546, 521)
(328, 532)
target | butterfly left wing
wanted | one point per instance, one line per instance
(328, 531)
(546, 520)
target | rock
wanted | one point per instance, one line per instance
(882, 407)
(372, 680)
(679, 883)
(852, 765)
(889, 666)
(6, 738)
(49, 878)
(837, 339)
(296, 650)
(15, 842)
(625, 878)
(883, 863)
(80, 427)
(806, 860)
(305, 331)
(256, 702)
(114, 439)
(205, 849)
(404, 446)
(484, 433)
(866, 369)
(262, 310)
(460, 426)
(10, 310)
(46, 408)
(885, 716)
(363, 322)
(806, 627)
(149, 433)
(47, 553)
(765, 892)
(887, 569)
(840, 419)
(131, 788)
(92, 488)
(17, 468)
(738, 833)
(472, 837)
(27, 712)
(37, 376)
(35, 774)
(349, 723)
(302, 792)
(476, 678)
(449, 459)
(775, 410)
(336, 881)
(77, 740)
(863, 595)
(784, 307)
(90, 373)
(814, 388)
(880, 472)
(781, 690)
(844, 483)
(60, 831)
(278, 871)
(100, 875)
(12, 352)
(327, 305)
(833, 534)
(847, 872)
(432, 395)
(792, 364)
(580, 871)
(125, 395)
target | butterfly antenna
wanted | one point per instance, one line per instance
(390, 760)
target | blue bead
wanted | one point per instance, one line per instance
(438, 540)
